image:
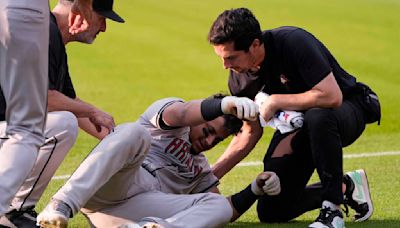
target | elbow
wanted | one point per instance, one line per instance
(256, 131)
(332, 100)
(337, 100)
(333, 103)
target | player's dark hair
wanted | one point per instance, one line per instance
(237, 25)
(232, 124)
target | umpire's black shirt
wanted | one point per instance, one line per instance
(295, 61)
(59, 78)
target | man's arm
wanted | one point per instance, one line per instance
(183, 114)
(86, 125)
(91, 119)
(325, 94)
(239, 148)
(199, 111)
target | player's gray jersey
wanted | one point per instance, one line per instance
(169, 159)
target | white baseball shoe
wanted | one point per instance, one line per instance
(145, 225)
(55, 215)
(130, 225)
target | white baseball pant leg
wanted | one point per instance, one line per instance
(170, 210)
(61, 132)
(119, 155)
(24, 37)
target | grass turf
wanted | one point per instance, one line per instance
(162, 51)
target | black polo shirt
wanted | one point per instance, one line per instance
(59, 78)
(295, 62)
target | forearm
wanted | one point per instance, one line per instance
(326, 94)
(265, 183)
(235, 213)
(59, 102)
(238, 149)
(241, 202)
(88, 127)
(184, 114)
(301, 101)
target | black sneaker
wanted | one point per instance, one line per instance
(328, 218)
(25, 218)
(357, 195)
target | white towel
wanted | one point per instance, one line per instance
(284, 121)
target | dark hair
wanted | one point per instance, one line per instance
(237, 25)
(232, 124)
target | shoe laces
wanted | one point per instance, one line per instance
(323, 213)
(349, 201)
(348, 198)
(345, 209)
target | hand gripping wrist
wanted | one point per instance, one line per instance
(256, 189)
(272, 185)
(242, 107)
(266, 183)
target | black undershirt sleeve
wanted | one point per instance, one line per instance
(243, 200)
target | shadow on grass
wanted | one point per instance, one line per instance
(294, 224)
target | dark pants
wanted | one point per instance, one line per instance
(317, 145)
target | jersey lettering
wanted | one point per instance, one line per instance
(180, 150)
(174, 145)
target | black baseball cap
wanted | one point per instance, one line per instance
(104, 8)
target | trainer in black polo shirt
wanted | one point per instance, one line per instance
(299, 73)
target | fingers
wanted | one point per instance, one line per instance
(254, 111)
(242, 107)
(248, 107)
(101, 119)
(109, 123)
(272, 190)
(79, 16)
(98, 127)
(262, 177)
(77, 24)
(272, 185)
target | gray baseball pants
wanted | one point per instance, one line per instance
(24, 35)
(112, 188)
(61, 132)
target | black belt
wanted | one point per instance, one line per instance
(150, 167)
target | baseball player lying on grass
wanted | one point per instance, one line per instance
(154, 170)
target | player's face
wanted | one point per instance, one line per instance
(205, 136)
(238, 61)
(97, 25)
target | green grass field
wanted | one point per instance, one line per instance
(162, 51)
